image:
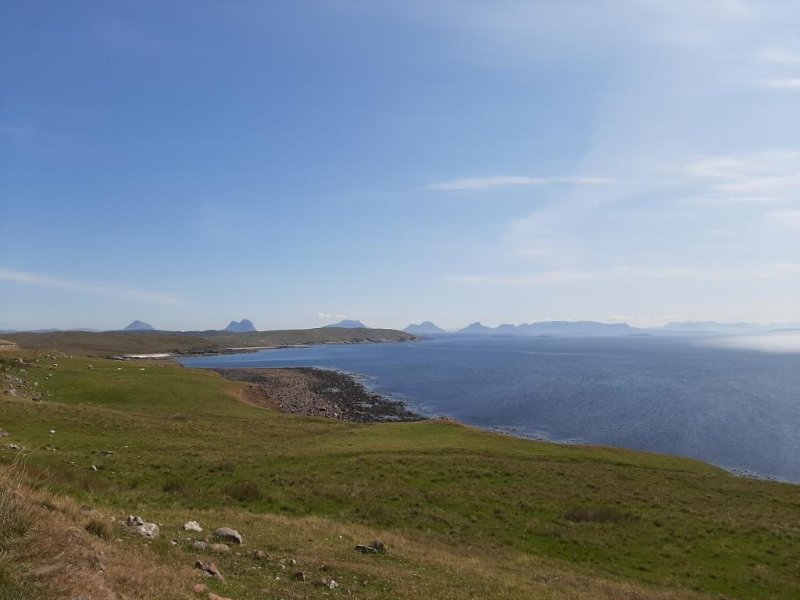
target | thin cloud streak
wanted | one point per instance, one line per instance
(783, 83)
(478, 184)
(630, 273)
(104, 289)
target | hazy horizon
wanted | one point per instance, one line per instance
(301, 163)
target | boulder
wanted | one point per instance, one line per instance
(219, 548)
(192, 526)
(199, 545)
(209, 568)
(231, 535)
(148, 530)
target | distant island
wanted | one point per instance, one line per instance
(563, 328)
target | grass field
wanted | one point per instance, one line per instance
(107, 343)
(465, 513)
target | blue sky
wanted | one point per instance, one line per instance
(294, 162)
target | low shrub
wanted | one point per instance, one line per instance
(101, 529)
(244, 491)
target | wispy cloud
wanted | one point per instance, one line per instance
(779, 56)
(503, 181)
(728, 200)
(631, 273)
(753, 178)
(782, 83)
(328, 316)
(785, 218)
(104, 289)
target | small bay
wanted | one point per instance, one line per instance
(727, 404)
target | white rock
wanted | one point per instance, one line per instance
(148, 530)
(192, 526)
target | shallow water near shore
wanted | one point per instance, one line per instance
(733, 407)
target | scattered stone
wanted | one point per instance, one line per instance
(52, 431)
(213, 596)
(198, 545)
(324, 568)
(148, 530)
(3, 433)
(199, 588)
(259, 554)
(226, 533)
(300, 576)
(378, 545)
(332, 584)
(174, 542)
(133, 521)
(94, 467)
(192, 526)
(219, 547)
(106, 452)
(209, 568)
(292, 561)
(365, 549)
(14, 447)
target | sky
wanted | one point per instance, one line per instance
(298, 162)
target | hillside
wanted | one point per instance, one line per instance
(146, 342)
(349, 324)
(139, 326)
(240, 326)
(464, 513)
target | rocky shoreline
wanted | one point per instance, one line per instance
(318, 393)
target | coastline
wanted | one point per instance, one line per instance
(315, 392)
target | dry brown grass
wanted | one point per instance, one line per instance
(48, 552)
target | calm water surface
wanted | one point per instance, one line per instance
(731, 406)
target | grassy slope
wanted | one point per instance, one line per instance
(84, 343)
(487, 510)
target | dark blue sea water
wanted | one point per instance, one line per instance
(735, 407)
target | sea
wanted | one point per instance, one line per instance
(730, 401)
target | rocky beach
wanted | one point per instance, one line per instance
(318, 393)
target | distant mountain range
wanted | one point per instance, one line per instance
(574, 328)
(240, 326)
(348, 324)
(596, 328)
(139, 326)
(541, 328)
(424, 328)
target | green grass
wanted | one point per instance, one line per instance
(182, 444)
